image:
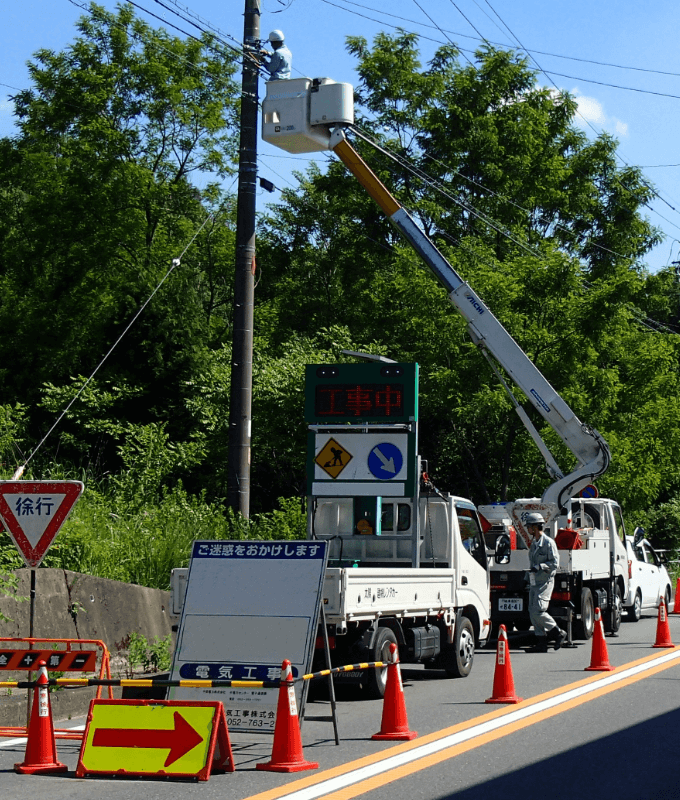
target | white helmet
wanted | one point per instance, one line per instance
(276, 36)
(534, 518)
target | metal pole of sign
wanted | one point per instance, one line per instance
(31, 618)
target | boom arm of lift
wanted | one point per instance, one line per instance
(587, 445)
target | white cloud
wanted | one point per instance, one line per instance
(591, 110)
(620, 128)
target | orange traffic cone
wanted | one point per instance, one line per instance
(599, 659)
(287, 753)
(41, 750)
(503, 682)
(676, 602)
(394, 725)
(663, 631)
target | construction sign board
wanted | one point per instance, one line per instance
(248, 606)
(61, 660)
(34, 511)
(164, 738)
(355, 462)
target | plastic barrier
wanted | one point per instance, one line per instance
(72, 656)
(193, 684)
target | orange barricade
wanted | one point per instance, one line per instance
(23, 654)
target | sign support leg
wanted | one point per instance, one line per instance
(31, 618)
(331, 688)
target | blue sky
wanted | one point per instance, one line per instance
(640, 39)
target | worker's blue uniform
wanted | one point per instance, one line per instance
(279, 64)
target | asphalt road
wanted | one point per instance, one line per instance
(577, 734)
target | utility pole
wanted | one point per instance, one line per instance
(240, 405)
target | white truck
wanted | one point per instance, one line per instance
(373, 595)
(308, 115)
(593, 569)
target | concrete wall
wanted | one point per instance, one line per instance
(74, 606)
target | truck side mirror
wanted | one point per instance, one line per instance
(638, 535)
(502, 554)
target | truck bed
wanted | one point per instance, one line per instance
(365, 594)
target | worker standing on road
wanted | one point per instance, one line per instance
(280, 62)
(543, 561)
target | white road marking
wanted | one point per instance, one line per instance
(22, 739)
(394, 762)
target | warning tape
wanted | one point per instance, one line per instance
(347, 668)
(193, 684)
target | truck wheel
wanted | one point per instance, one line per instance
(458, 657)
(584, 627)
(634, 613)
(376, 679)
(614, 624)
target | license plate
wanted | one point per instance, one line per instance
(510, 604)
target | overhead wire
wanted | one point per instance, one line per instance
(493, 224)
(592, 127)
(655, 324)
(651, 188)
(438, 28)
(176, 262)
(494, 43)
(423, 176)
(215, 31)
(141, 38)
(491, 43)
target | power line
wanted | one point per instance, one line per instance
(493, 224)
(175, 263)
(480, 37)
(592, 127)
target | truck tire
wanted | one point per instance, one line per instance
(634, 612)
(584, 627)
(458, 657)
(376, 679)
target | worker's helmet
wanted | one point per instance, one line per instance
(276, 36)
(534, 518)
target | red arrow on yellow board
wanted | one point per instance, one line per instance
(180, 739)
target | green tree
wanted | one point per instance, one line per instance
(98, 194)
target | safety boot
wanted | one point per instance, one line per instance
(557, 636)
(541, 645)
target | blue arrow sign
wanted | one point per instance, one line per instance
(385, 461)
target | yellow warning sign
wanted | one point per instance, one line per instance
(153, 737)
(333, 458)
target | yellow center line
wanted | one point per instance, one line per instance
(584, 693)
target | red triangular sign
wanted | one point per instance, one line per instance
(34, 511)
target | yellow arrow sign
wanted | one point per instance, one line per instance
(151, 738)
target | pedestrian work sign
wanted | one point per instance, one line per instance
(155, 737)
(34, 511)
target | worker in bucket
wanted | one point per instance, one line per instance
(279, 62)
(543, 561)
